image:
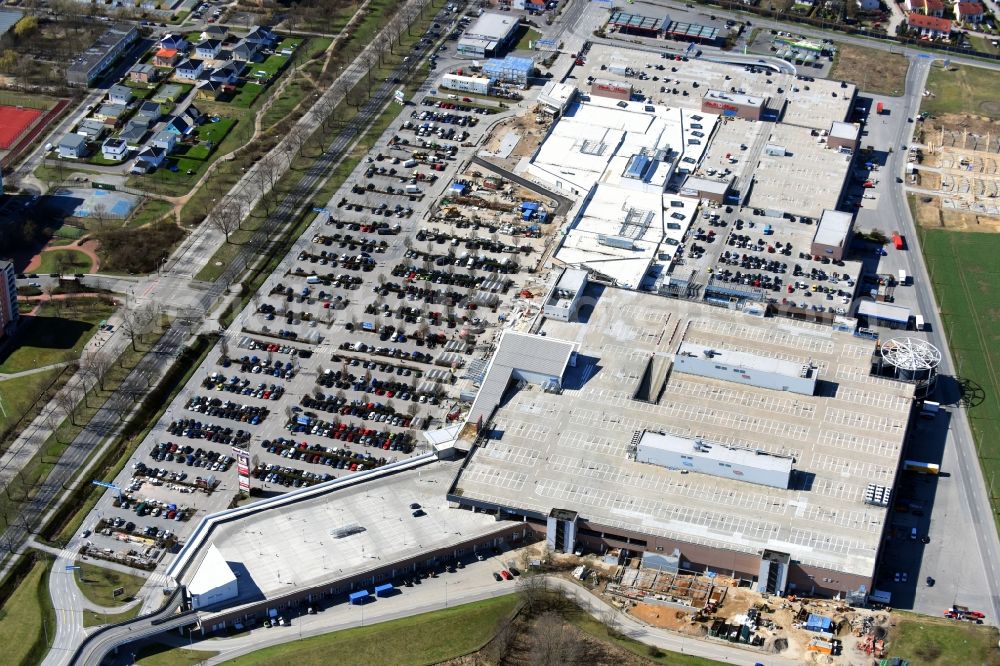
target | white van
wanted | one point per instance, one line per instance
(918, 322)
(904, 279)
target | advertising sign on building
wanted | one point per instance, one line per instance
(242, 468)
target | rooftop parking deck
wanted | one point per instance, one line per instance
(571, 450)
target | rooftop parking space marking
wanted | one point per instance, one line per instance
(515, 455)
(852, 468)
(865, 422)
(843, 441)
(768, 403)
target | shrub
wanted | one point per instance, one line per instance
(139, 250)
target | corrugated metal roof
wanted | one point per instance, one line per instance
(8, 19)
(519, 352)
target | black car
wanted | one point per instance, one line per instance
(930, 582)
(497, 577)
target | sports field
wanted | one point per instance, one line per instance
(966, 277)
(15, 120)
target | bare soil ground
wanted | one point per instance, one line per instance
(870, 69)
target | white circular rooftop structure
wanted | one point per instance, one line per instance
(912, 354)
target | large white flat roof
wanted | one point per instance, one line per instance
(742, 359)
(296, 545)
(736, 456)
(214, 572)
(492, 26)
(735, 98)
(833, 227)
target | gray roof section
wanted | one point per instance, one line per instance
(8, 18)
(519, 353)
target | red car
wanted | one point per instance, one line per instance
(506, 574)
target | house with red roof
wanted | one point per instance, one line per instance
(929, 26)
(968, 12)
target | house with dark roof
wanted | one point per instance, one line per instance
(261, 36)
(246, 52)
(219, 32)
(175, 41)
(208, 89)
(149, 112)
(178, 126)
(227, 74)
(192, 114)
(114, 148)
(110, 114)
(148, 159)
(91, 128)
(208, 49)
(190, 70)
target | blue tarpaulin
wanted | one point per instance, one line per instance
(530, 205)
(383, 590)
(458, 187)
(819, 623)
(358, 597)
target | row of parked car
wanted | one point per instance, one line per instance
(233, 411)
(194, 457)
(242, 386)
(214, 433)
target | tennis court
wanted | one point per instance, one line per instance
(14, 121)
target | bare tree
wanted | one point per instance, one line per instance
(266, 175)
(227, 218)
(295, 141)
(96, 366)
(68, 400)
(138, 320)
(554, 642)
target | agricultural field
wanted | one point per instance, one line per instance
(966, 279)
(962, 90)
(937, 642)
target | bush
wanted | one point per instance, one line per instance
(139, 250)
(654, 651)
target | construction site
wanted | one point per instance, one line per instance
(957, 171)
(727, 609)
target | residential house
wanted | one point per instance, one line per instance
(261, 36)
(110, 114)
(208, 89)
(148, 159)
(926, 7)
(72, 146)
(114, 148)
(166, 57)
(143, 73)
(149, 112)
(175, 41)
(165, 140)
(91, 128)
(969, 12)
(929, 26)
(190, 70)
(245, 51)
(119, 94)
(869, 5)
(191, 115)
(208, 49)
(133, 133)
(218, 32)
(178, 126)
(228, 74)
(168, 93)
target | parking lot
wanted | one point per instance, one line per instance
(378, 319)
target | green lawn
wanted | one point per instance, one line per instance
(64, 261)
(246, 93)
(22, 616)
(98, 583)
(215, 132)
(57, 333)
(936, 642)
(429, 638)
(150, 211)
(100, 160)
(270, 67)
(962, 89)
(966, 280)
(143, 92)
(95, 619)
(527, 36)
(18, 396)
(164, 655)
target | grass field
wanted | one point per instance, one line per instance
(18, 395)
(246, 94)
(526, 37)
(98, 583)
(937, 642)
(57, 333)
(164, 655)
(22, 616)
(150, 211)
(429, 638)
(65, 261)
(962, 89)
(966, 279)
(871, 70)
(94, 619)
